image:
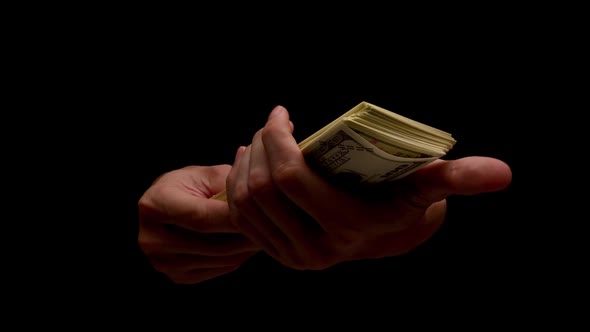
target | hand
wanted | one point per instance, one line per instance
(302, 221)
(186, 235)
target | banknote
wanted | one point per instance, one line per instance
(343, 153)
(371, 145)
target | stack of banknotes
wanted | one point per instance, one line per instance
(370, 145)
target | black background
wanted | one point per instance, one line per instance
(137, 99)
(164, 113)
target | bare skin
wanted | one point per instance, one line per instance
(277, 204)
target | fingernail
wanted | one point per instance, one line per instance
(276, 111)
(239, 153)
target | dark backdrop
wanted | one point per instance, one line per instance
(113, 97)
(157, 114)
(153, 102)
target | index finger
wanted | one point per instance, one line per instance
(298, 181)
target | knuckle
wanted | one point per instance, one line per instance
(346, 241)
(259, 134)
(315, 261)
(269, 130)
(321, 261)
(295, 264)
(152, 200)
(259, 182)
(230, 178)
(350, 232)
(415, 197)
(219, 170)
(288, 258)
(237, 259)
(401, 224)
(146, 204)
(240, 195)
(181, 279)
(418, 200)
(149, 241)
(147, 245)
(287, 174)
(163, 268)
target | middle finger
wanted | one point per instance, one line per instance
(244, 211)
(298, 228)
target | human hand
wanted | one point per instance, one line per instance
(186, 235)
(302, 221)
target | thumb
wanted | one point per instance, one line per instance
(208, 180)
(181, 198)
(466, 176)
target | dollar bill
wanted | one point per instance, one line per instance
(342, 154)
(370, 145)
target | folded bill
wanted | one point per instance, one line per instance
(369, 145)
